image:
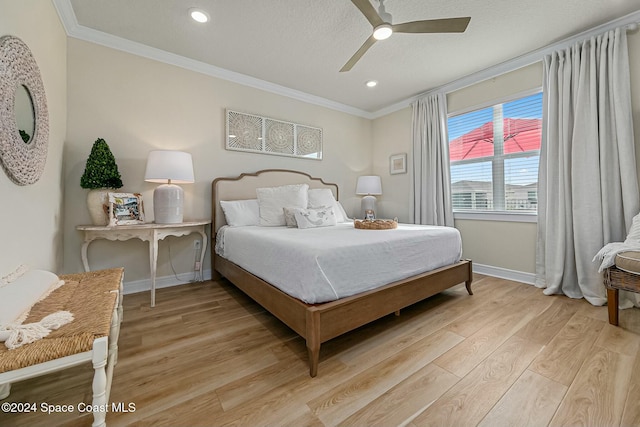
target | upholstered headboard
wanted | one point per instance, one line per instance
(244, 187)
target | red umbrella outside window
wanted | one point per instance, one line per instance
(519, 135)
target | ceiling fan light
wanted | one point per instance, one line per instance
(382, 32)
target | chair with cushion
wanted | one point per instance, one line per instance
(625, 275)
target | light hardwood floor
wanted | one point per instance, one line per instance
(506, 356)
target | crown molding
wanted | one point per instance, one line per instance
(75, 30)
(631, 20)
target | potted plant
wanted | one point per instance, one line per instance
(100, 176)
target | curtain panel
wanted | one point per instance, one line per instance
(431, 201)
(588, 184)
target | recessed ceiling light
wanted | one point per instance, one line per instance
(199, 15)
(372, 83)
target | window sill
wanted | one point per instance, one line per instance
(498, 216)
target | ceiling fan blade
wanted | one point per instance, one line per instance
(368, 11)
(356, 56)
(449, 25)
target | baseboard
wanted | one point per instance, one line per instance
(143, 285)
(504, 273)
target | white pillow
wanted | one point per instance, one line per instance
(634, 231)
(272, 201)
(18, 296)
(315, 217)
(241, 212)
(342, 211)
(319, 197)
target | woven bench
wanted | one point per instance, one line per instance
(624, 275)
(95, 300)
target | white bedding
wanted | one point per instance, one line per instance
(318, 265)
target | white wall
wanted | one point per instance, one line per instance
(31, 218)
(138, 105)
(500, 244)
(392, 135)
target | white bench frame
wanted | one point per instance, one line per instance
(103, 356)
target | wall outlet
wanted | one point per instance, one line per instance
(197, 265)
(196, 244)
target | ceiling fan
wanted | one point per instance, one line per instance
(382, 27)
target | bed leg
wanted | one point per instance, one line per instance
(314, 360)
(313, 341)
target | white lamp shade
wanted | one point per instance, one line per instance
(165, 166)
(369, 185)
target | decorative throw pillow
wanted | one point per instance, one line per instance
(315, 217)
(634, 231)
(272, 201)
(241, 212)
(319, 197)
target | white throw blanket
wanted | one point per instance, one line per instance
(19, 335)
(607, 255)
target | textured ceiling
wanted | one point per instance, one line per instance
(302, 44)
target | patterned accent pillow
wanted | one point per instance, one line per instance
(315, 217)
(319, 197)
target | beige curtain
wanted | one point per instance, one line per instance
(588, 186)
(431, 202)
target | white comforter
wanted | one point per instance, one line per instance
(323, 264)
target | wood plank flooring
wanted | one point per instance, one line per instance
(206, 355)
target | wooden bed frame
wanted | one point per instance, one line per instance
(318, 323)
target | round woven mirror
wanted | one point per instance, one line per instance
(24, 119)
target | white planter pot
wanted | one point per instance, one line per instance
(98, 206)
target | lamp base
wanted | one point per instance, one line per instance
(168, 200)
(368, 203)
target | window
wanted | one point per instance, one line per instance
(494, 154)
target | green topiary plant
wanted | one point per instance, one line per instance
(101, 170)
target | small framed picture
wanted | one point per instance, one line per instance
(398, 163)
(369, 215)
(125, 208)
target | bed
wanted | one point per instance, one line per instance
(321, 321)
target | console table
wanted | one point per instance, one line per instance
(151, 233)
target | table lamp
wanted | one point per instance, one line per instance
(368, 186)
(169, 168)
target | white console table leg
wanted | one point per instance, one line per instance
(153, 261)
(204, 249)
(85, 259)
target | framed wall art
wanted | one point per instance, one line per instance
(125, 208)
(264, 135)
(398, 163)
